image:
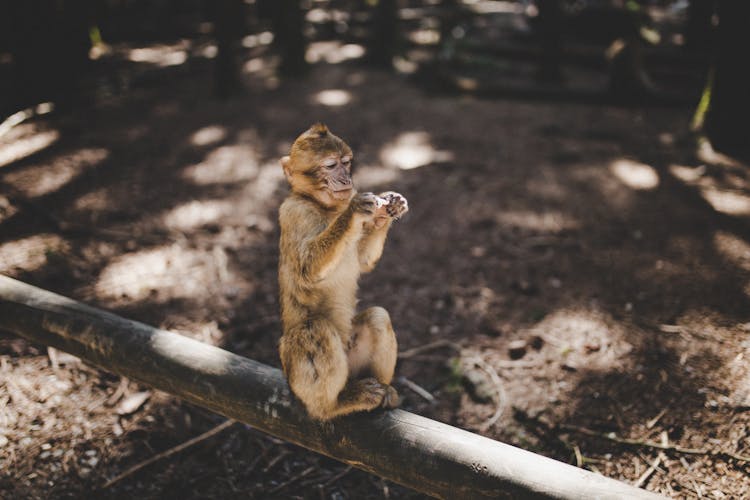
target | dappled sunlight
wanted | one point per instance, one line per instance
(95, 201)
(7, 209)
(734, 249)
(610, 186)
(29, 254)
(254, 65)
(27, 146)
(160, 55)
(333, 97)
(638, 176)
(160, 274)
(208, 135)
(369, 176)
(333, 52)
(589, 339)
(496, 6)
(208, 51)
(572, 343)
(191, 354)
(195, 214)
(46, 178)
(412, 150)
(727, 202)
(424, 36)
(257, 40)
(261, 190)
(548, 222)
(687, 174)
(226, 164)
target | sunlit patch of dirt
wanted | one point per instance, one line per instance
(41, 179)
(31, 253)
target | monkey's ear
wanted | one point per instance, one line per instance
(285, 164)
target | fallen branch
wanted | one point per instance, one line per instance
(417, 452)
(168, 453)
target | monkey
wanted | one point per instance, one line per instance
(336, 361)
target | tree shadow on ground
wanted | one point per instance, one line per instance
(525, 221)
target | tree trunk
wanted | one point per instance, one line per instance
(550, 30)
(49, 43)
(229, 26)
(729, 107)
(698, 32)
(383, 44)
(288, 20)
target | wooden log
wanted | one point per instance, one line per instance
(417, 452)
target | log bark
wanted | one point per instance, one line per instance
(417, 452)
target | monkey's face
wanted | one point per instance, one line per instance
(320, 166)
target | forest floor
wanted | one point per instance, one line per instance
(580, 252)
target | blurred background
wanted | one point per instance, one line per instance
(575, 267)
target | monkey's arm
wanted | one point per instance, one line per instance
(323, 252)
(318, 252)
(371, 245)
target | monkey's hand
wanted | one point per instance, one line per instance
(364, 205)
(395, 204)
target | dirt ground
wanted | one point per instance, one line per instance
(577, 280)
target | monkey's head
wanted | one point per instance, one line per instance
(320, 166)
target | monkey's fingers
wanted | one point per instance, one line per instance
(397, 204)
(365, 203)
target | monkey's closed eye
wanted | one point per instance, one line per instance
(330, 163)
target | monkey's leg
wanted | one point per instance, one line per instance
(316, 366)
(373, 349)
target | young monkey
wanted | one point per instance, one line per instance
(336, 362)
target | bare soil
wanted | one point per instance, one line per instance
(578, 277)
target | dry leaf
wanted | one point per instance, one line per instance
(132, 403)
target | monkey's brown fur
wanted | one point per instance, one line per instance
(337, 362)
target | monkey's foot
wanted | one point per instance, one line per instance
(365, 394)
(391, 399)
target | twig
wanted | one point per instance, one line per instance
(579, 455)
(421, 391)
(292, 480)
(170, 452)
(23, 115)
(644, 477)
(651, 444)
(119, 392)
(338, 476)
(489, 370)
(651, 423)
(428, 347)
(276, 460)
(696, 488)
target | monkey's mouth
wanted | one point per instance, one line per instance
(342, 193)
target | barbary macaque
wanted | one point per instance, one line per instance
(336, 361)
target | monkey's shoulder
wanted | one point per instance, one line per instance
(301, 216)
(300, 207)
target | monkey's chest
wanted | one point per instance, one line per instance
(341, 284)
